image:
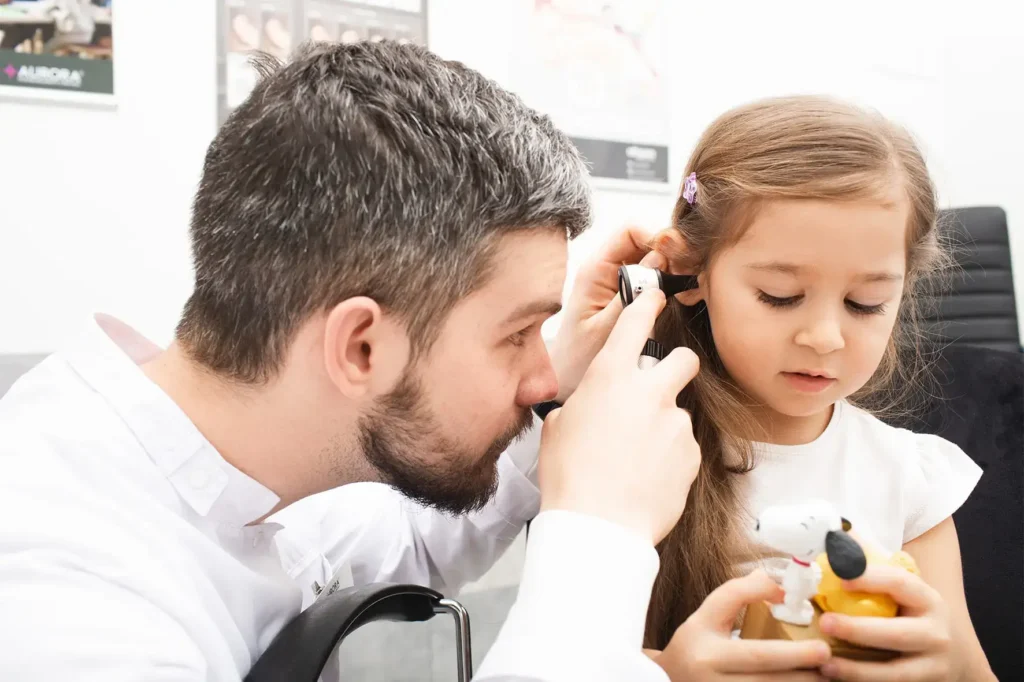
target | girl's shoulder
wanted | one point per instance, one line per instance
(935, 476)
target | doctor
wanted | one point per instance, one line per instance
(378, 236)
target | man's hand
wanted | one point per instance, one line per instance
(594, 305)
(620, 449)
(703, 649)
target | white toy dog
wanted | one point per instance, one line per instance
(804, 531)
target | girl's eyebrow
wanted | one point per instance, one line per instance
(792, 269)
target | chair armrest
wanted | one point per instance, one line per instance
(301, 649)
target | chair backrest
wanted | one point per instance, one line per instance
(13, 366)
(980, 367)
(980, 309)
(981, 409)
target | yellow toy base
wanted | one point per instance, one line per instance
(758, 623)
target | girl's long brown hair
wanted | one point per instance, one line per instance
(784, 148)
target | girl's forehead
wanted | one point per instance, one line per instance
(822, 235)
(813, 224)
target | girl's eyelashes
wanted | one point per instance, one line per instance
(776, 301)
(790, 301)
(862, 309)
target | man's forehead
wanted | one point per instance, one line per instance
(527, 267)
(515, 252)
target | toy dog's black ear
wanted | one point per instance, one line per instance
(845, 556)
(846, 525)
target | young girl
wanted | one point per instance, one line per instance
(811, 226)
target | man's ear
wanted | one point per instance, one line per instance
(672, 245)
(364, 352)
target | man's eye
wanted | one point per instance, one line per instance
(519, 338)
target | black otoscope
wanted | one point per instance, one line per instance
(633, 281)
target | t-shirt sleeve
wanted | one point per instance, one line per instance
(938, 480)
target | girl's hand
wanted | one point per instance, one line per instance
(922, 631)
(703, 649)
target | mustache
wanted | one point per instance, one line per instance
(514, 433)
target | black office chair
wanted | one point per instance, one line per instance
(300, 651)
(980, 368)
(980, 307)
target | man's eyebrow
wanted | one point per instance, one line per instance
(549, 308)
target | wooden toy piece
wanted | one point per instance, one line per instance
(832, 597)
(760, 624)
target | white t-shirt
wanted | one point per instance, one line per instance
(893, 485)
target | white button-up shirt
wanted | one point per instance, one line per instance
(127, 554)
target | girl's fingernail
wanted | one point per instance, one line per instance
(827, 624)
(829, 670)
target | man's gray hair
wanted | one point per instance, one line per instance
(370, 169)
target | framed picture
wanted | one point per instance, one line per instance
(277, 27)
(593, 67)
(59, 50)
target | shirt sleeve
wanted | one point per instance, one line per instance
(938, 480)
(582, 605)
(385, 537)
(58, 623)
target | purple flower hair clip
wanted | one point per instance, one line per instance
(690, 189)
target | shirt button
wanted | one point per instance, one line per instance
(198, 479)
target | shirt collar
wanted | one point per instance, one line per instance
(107, 357)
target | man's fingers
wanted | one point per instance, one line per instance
(606, 318)
(633, 328)
(896, 634)
(766, 655)
(655, 260)
(628, 245)
(677, 370)
(906, 588)
(723, 606)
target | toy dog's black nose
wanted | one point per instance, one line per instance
(757, 525)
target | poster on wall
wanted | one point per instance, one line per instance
(593, 66)
(276, 27)
(57, 46)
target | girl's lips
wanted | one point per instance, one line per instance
(807, 383)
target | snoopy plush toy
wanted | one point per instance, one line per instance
(804, 531)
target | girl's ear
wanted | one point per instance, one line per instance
(672, 245)
(693, 296)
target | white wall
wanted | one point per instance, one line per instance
(96, 200)
(96, 205)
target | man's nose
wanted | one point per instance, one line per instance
(540, 383)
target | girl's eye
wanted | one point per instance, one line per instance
(776, 302)
(861, 309)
